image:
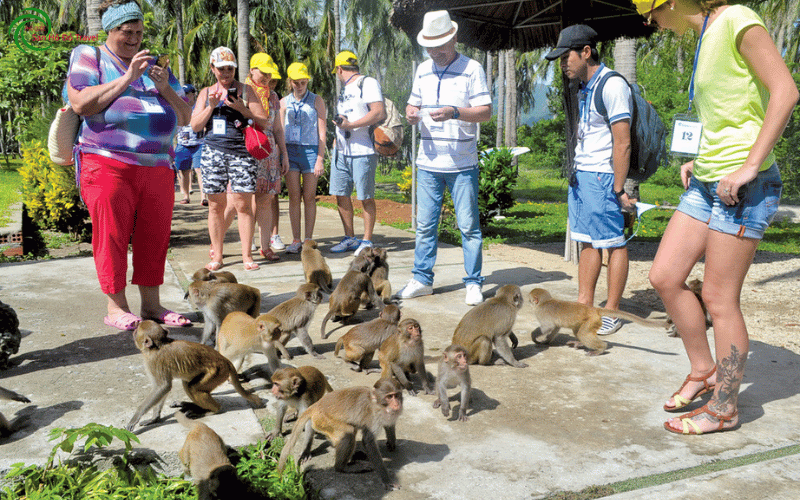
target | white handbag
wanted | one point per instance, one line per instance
(62, 136)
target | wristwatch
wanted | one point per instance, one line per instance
(619, 193)
(456, 114)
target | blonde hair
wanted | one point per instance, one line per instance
(289, 81)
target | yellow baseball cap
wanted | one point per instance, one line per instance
(345, 58)
(644, 7)
(263, 62)
(297, 71)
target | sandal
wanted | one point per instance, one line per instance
(171, 318)
(184, 201)
(691, 428)
(126, 322)
(269, 255)
(250, 266)
(682, 402)
(214, 265)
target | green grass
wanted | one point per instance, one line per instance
(9, 194)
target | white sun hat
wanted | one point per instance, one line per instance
(437, 29)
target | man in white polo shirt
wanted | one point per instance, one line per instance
(449, 97)
(602, 157)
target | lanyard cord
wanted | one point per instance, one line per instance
(297, 106)
(441, 75)
(125, 67)
(694, 67)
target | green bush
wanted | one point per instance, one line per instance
(787, 153)
(497, 179)
(49, 191)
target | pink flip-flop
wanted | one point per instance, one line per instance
(171, 318)
(126, 322)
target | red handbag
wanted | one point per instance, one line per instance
(256, 142)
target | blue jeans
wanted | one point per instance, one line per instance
(463, 188)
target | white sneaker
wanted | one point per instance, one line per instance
(474, 294)
(364, 244)
(414, 289)
(276, 243)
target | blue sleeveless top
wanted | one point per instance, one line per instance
(301, 115)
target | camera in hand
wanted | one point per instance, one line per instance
(338, 119)
(161, 60)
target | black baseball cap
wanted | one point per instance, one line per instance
(576, 36)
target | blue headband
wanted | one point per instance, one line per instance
(118, 14)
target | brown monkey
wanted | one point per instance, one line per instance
(491, 323)
(379, 276)
(583, 320)
(7, 427)
(200, 367)
(696, 286)
(216, 300)
(346, 298)
(315, 268)
(204, 455)
(402, 353)
(295, 314)
(299, 388)
(453, 372)
(340, 414)
(241, 334)
(204, 274)
(361, 342)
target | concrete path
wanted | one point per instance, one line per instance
(566, 422)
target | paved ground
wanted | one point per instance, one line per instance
(566, 422)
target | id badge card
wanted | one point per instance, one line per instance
(218, 126)
(686, 132)
(293, 134)
(151, 105)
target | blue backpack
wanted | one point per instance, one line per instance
(648, 133)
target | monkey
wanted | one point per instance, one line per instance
(583, 320)
(696, 286)
(295, 314)
(240, 334)
(200, 367)
(379, 276)
(7, 427)
(490, 323)
(315, 268)
(361, 342)
(299, 388)
(340, 414)
(403, 352)
(204, 274)
(216, 300)
(453, 372)
(345, 300)
(205, 456)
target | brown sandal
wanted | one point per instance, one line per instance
(680, 401)
(691, 428)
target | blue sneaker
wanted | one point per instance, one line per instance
(609, 326)
(363, 244)
(347, 243)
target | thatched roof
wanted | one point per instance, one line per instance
(522, 24)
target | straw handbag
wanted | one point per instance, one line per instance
(62, 136)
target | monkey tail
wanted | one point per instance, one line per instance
(234, 379)
(185, 421)
(632, 317)
(339, 344)
(287, 447)
(325, 322)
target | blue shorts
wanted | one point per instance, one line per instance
(187, 157)
(594, 210)
(358, 170)
(302, 158)
(758, 204)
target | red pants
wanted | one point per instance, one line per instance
(128, 204)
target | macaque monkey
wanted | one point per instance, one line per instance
(241, 334)
(299, 388)
(379, 276)
(295, 314)
(403, 353)
(204, 455)
(346, 298)
(216, 300)
(361, 342)
(453, 372)
(340, 414)
(200, 367)
(696, 286)
(7, 427)
(490, 323)
(315, 268)
(583, 320)
(204, 274)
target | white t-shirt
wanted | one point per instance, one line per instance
(594, 150)
(450, 145)
(352, 104)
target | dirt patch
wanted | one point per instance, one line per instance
(388, 211)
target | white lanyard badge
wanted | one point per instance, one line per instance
(686, 127)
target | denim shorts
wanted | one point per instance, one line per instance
(594, 211)
(302, 158)
(220, 168)
(758, 204)
(350, 170)
(187, 157)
